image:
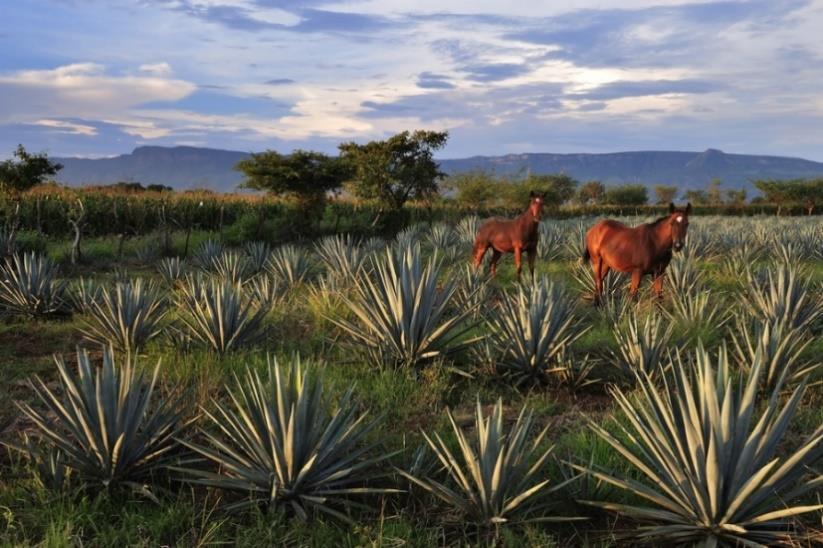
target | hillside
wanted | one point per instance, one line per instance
(190, 167)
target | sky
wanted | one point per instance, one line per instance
(98, 78)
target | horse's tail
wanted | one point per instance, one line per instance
(586, 256)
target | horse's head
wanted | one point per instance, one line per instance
(536, 202)
(679, 221)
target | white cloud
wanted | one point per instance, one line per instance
(156, 69)
(67, 127)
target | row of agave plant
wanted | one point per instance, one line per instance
(401, 313)
(707, 448)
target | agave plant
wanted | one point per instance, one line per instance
(264, 291)
(710, 457)
(29, 286)
(83, 293)
(48, 464)
(290, 264)
(206, 253)
(682, 276)
(466, 229)
(230, 266)
(401, 315)
(106, 422)
(550, 244)
(281, 442)
(341, 255)
(641, 348)
(125, 317)
(496, 478)
(696, 309)
(778, 347)
(782, 296)
(172, 270)
(220, 315)
(531, 328)
(257, 255)
(473, 290)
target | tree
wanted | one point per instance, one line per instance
(591, 192)
(475, 190)
(627, 195)
(396, 170)
(713, 192)
(775, 192)
(736, 198)
(697, 197)
(304, 175)
(557, 189)
(25, 171)
(665, 194)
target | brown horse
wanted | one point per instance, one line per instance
(641, 250)
(511, 236)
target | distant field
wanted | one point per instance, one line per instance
(419, 335)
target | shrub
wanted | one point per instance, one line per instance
(29, 286)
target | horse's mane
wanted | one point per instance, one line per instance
(658, 221)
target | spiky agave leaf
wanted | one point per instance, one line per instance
(341, 255)
(125, 317)
(264, 291)
(783, 295)
(206, 253)
(281, 442)
(106, 421)
(778, 347)
(82, 293)
(642, 347)
(695, 309)
(401, 316)
(466, 229)
(171, 269)
(257, 254)
(290, 264)
(682, 276)
(220, 314)
(530, 328)
(29, 286)
(495, 478)
(229, 266)
(708, 453)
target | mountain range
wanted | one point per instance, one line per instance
(192, 167)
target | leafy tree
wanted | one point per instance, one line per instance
(627, 195)
(474, 190)
(557, 189)
(697, 197)
(25, 171)
(396, 170)
(713, 192)
(809, 194)
(666, 194)
(736, 198)
(775, 192)
(592, 192)
(304, 175)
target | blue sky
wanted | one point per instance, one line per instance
(98, 78)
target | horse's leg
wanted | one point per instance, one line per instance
(532, 254)
(493, 266)
(597, 270)
(518, 260)
(637, 275)
(479, 253)
(659, 276)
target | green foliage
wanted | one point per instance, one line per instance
(25, 171)
(641, 348)
(302, 173)
(341, 255)
(107, 423)
(783, 295)
(591, 193)
(530, 330)
(474, 190)
(557, 189)
(627, 195)
(709, 456)
(665, 194)
(280, 442)
(401, 315)
(125, 317)
(289, 264)
(396, 170)
(29, 286)
(497, 478)
(220, 315)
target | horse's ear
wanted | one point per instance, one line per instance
(531, 194)
(688, 208)
(671, 207)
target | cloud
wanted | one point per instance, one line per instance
(644, 88)
(430, 80)
(65, 126)
(495, 71)
(279, 82)
(156, 69)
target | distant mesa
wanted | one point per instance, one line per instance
(184, 167)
